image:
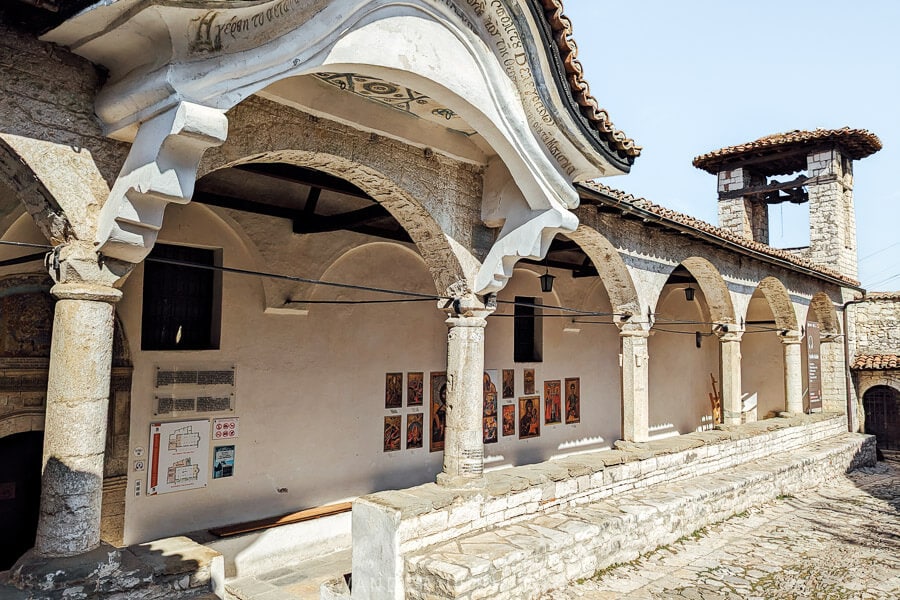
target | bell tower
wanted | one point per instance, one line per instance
(812, 167)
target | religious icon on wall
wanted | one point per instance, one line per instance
(393, 390)
(552, 402)
(415, 430)
(489, 435)
(438, 412)
(489, 404)
(509, 419)
(509, 383)
(392, 433)
(529, 417)
(573, 400)
(529, 381)
(415, 389)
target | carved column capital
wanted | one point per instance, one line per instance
(80, 273)
(791, 337)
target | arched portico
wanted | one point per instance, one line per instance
(693, 312)
(452, 267)
(770, 315)
(625, 303)
(832, 374)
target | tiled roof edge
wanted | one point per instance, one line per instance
(686, 220)
(561, 26)
(876, 362)
(860, 142)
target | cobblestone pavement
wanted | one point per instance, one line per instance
(839, 541)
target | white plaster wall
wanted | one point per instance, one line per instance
(22, 229)
(310, 389)
(590, 354)
(679, 371)
(762, 360)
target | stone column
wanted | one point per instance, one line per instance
(834, 380)
(77, 400)
(463, 437)
(793, 373)
(731, 391)
(635, 385)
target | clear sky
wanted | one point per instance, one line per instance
(686, 77)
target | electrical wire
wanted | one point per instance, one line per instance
(25, 245)
(346, 286)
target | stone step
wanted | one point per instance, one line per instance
(533, 556)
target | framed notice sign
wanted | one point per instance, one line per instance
(179, 455)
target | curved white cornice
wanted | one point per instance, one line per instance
(481, 59)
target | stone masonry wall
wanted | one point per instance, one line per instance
(522, 561)
(742, 215)
(832, 222)
(876, 325)
(389, 526)
(48, 94)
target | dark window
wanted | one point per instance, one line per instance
(529, 331)
(181, 303)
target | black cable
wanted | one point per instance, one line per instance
(347, 286)
(19, 260)
(26, 245)
(394, 301)
(563, 308)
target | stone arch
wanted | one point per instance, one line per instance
(351, 254)
(612, 270)
(826, 314)
(30, 193)
(710, 281)
(451, 266)
(875, 379)
(780, 302)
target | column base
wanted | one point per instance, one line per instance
(459, 483)
(169, 568)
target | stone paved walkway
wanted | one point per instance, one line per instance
(839, 541)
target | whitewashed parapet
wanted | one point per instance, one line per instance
(160, 169)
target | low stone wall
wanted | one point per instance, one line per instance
(390, 526)
(524, 560)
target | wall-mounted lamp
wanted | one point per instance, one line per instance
(689, 293)
(547, 281)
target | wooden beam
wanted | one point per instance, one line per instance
(312, 200)
(299, 175)
(297, 517)
(311, 223)
(241, 204)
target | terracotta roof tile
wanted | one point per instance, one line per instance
(876, 362)
(856, 143)
(561, 26)
(882, 296)
(683, 219)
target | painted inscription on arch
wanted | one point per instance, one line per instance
(212, 29)
(500, 25)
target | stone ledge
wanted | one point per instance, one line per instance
(169, 568)
(587, 477)
(547, 551)
(389, 526)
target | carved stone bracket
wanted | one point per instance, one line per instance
(525, 235)
(161, 168)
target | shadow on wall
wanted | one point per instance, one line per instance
(663, 430)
